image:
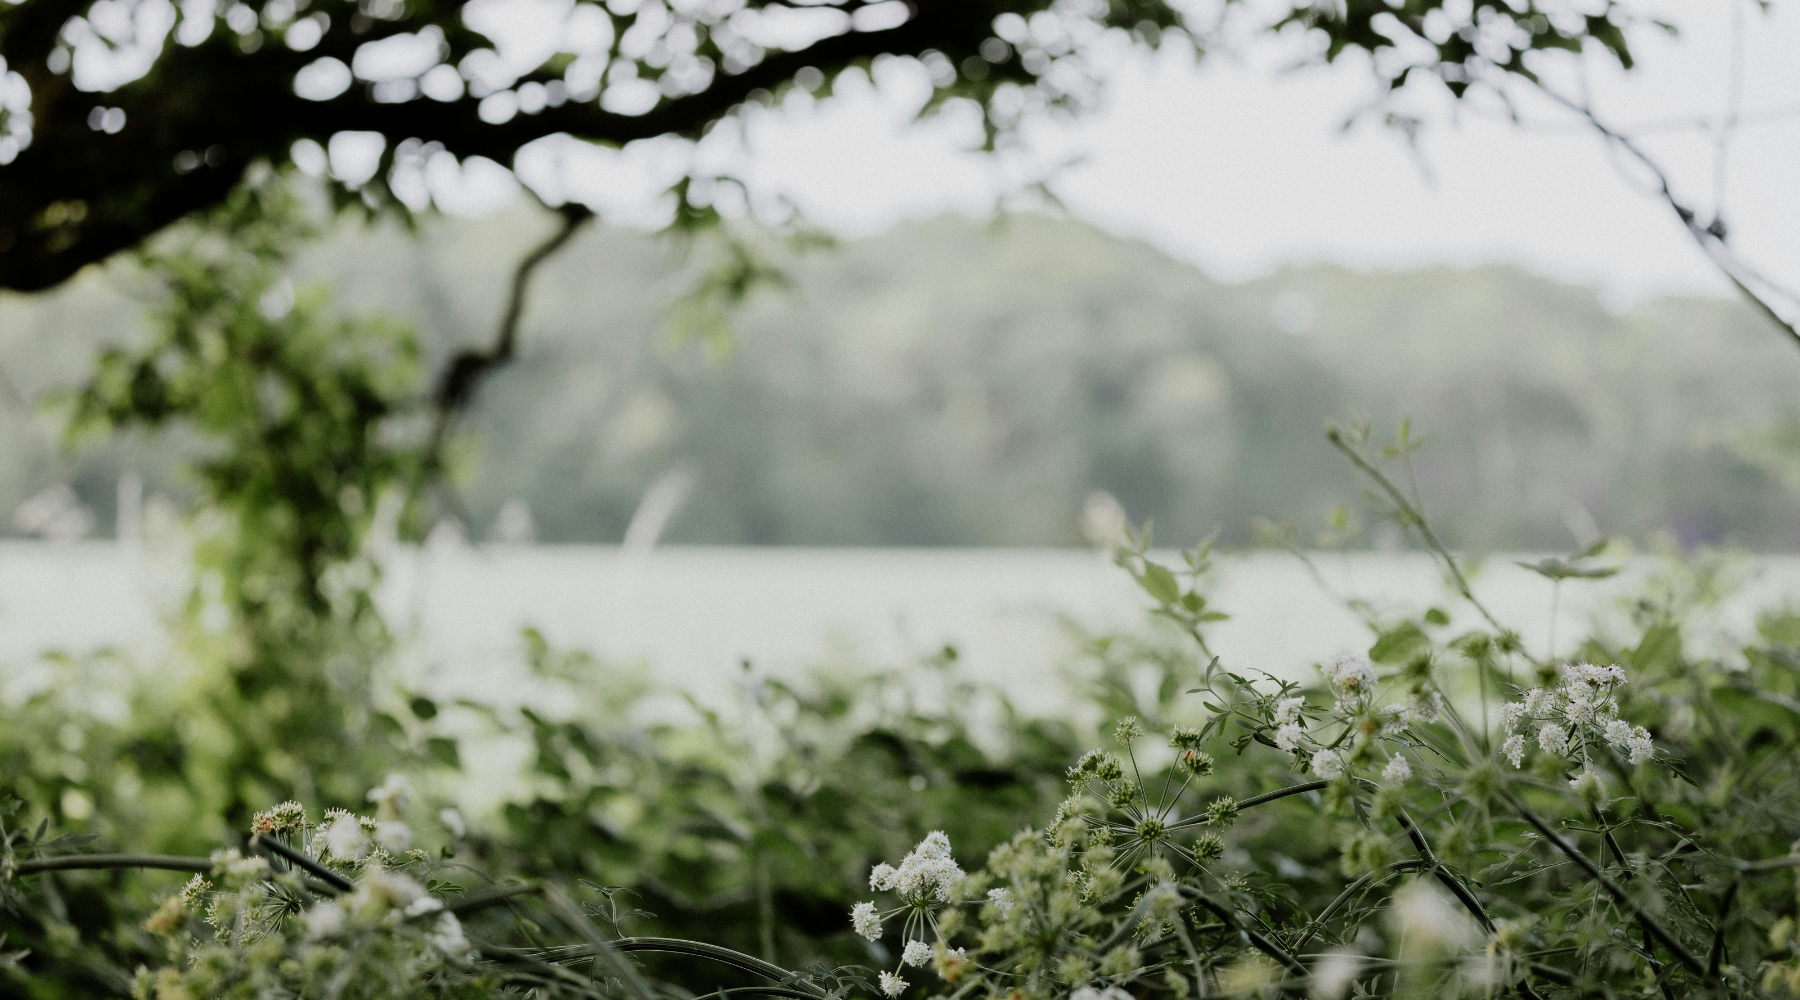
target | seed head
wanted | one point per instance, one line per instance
(1198, 763)
(1222, 812)
(1209, 847)
(1123, 793)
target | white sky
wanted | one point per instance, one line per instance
(1241, 168)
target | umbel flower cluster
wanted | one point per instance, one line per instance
(1573, 718)
(249, 929)
(1365, 731)
(926, 880)
(1129, 883)
(1144, 882)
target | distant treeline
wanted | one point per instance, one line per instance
(952, 383)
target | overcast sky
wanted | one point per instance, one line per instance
(1241, 167)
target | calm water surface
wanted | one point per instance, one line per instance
(694, 614)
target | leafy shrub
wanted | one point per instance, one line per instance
(1449, 814)
(1623, 823)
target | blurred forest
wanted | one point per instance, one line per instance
(956, 383)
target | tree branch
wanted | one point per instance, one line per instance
(1710, 238)
(466, 370)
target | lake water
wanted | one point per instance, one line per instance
(694, 614)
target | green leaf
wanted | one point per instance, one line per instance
(1658, 651)
(424, 708)
(1557, 569)
(1399, 644)
(1437, 616)
(1752, 710)
(443, 750)
(1160, 584)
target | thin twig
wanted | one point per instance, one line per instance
(1717, 954)
(1770, 864)
(1257, 800)
(1250, 934)
(1710, 239)
(1649, 923)
(578, 922)
(337, 882)
(1350, 890)
(466, 370)
(699, 949)
(1444, 875)
(1416, 520)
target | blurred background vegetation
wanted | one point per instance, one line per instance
(958, 383)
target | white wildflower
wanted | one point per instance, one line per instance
(1002, 900)
(1552, 738)
(1427, 921)
(881, 877)
(1287, 710)
(1349, 675)
(1397, 771)
(1514, 749)
(1288, 737)
(916, 952)
(927, 876)
(935, 845)
(391, 796)
(950, 963)
(393, 836)
(324, 920)
(1586, 784)
(385, 890)
(446, 938)
(345, 838)
(1581, 704)
(866, 921)
(1333, 974)
(892, 985)
(423, 905)
(1588, 673)
(1327, 765)
(1538, 703)
(1510, 714)
(247, 869)
(1618, 732)
(1090, 993)
(1642, 749)
(1427, 704)
(453, 821)
(1393, 719)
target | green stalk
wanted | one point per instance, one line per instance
(1649, 923)
(81, 862)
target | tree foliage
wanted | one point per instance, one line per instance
(119, 117)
